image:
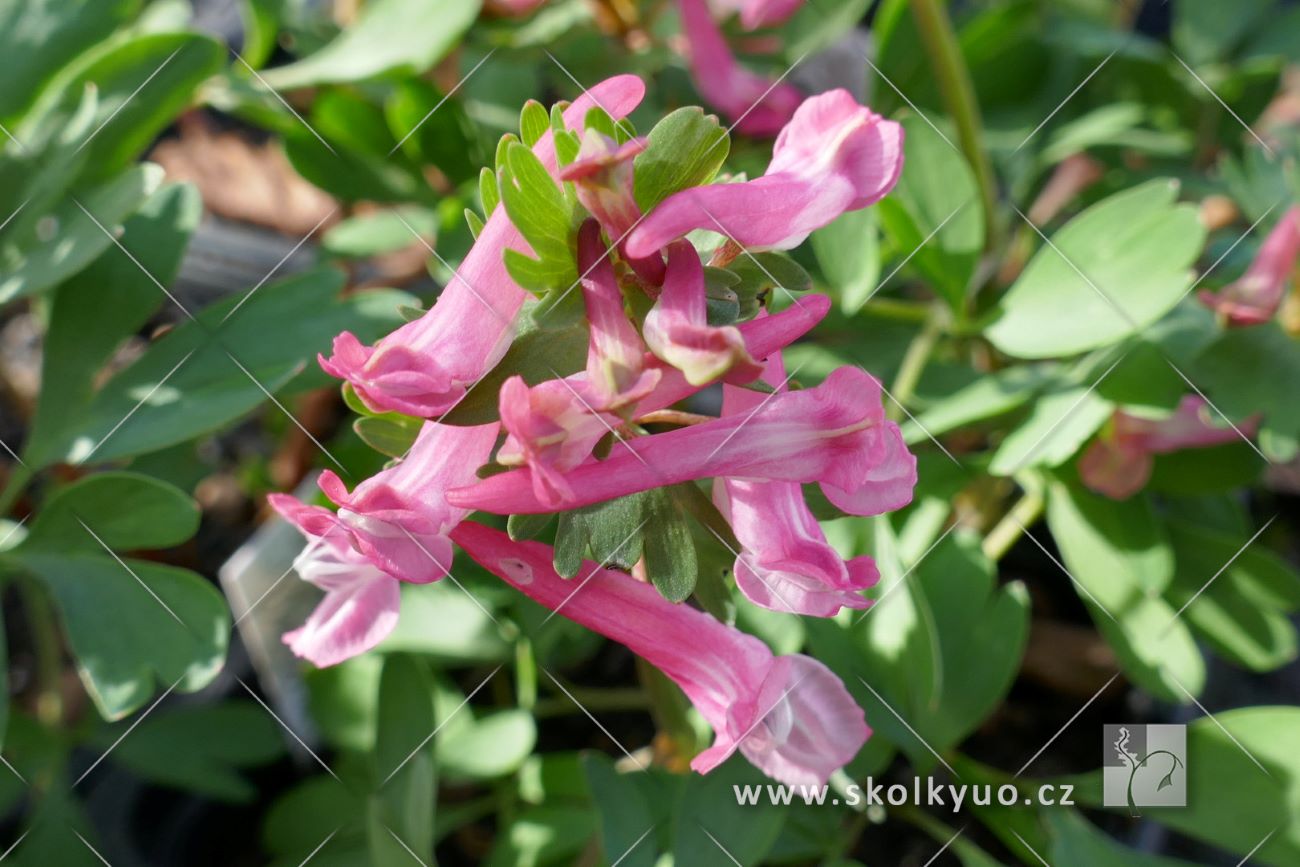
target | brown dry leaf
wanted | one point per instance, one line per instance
(240, 180)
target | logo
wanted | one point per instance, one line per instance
(1144, 766)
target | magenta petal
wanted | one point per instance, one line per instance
(425, 367)
(887, 485)
(756, 105)
(1114, 469)
(833, 156)
(789, 715)
(677, 329)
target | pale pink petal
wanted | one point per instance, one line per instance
(1255, 298)
(552, 430)
(757, 106)
(677, 329)
(349, 621)
(400, 518)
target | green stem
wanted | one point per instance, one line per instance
(1027, 510)
(593, 700)
(913, 365)
(48, 649)
(958, 94)
(525, 674)
(896, 310)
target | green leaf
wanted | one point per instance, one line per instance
(40, 37)
(1132, 252)
(201, 748)
(1077, 843)
(142, 85)
(109, 301)
(625, 813)
(398, 37)
(146, 645)
(1057, 427)
(208, 372)
(1236, 599)
(75, 239)
(685, 149)
(126, 511)
(1250, 371)
(534, 122)
(542, 214)
(442, 621)
(935, 212)
(543, 835)
(987, 397)
(706, 814)
(1232, 802)
(1120, 557)
(483, 748)
(388, 436)
(405, 781)
(942, 651)
(1205, 30)
(380, 232)
(433, 128)
(670, 561)
(848, 251)
(611, 533)
(261, 20)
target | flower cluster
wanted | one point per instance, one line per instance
(575, 437)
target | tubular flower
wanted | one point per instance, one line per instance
(756, 105)
(399, 518)
(361, 601)
(835, 434)
(424, 367)
(833, 156)
(1119, 464)
(554, 426)
(758, 13)
(552, 429)
(616, 372)
(677, 330)
(603, 179)
(788, 715)
(1255, 298)
(785, 562)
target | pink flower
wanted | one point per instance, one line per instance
(835, 434)
(551, 431)
(833, 156)
(677, 330)
(616, 372)
(604, 181)
(424, 367)
(1256, 297)
(399, 518)
(756, 105)
(789, 715)
(1119, 464)
(785, 562)
(361, 602)
(554, 426)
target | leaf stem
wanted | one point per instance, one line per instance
(46, 646)
(913, 364)
(958, 94)
(1014, 524)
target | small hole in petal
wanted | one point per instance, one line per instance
(516, 571)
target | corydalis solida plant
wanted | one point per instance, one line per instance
(656, 329)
